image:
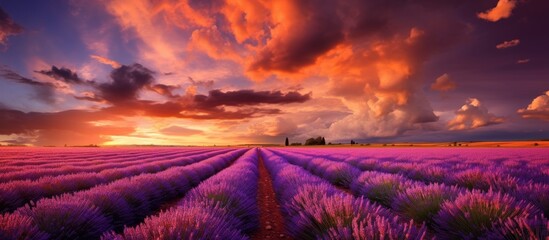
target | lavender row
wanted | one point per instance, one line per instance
(88, 214)
(222, 207)
(96, 162)
(23, 157)
(451, 211)
(436, 203)
(35, 173)
(338, 173)
(435, 164)
(455, 213)
(315, 209)
(18, 193)
(475, 178)
(482, 179)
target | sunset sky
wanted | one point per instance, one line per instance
(233, 72)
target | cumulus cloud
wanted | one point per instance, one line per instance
(508, 44)
(7, 27)
(126, 83)
(473, 115)
(443, 83)
(304, 31)
(106, 61)
(502, 10)
(367, 53)
(537, 109)
(273, 127)
(180, 131)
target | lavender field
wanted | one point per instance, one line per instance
(318, 193)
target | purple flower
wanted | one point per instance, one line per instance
(17, 227)
(421, 202)
(472, 214)
(380, 187)
(519, 229)
(66, 217)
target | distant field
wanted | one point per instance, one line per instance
(275, 192)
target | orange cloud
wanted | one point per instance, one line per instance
(211, 42)
(473, 115)
(112, 63)
(159, 44)
(501, 11)
(248, 20)
(443, 83)
(508, 44)
(537, 109)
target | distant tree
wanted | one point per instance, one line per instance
(323, 142)
(353, 142)
(315, 141)
(287, 143)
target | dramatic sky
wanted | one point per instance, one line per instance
(256, 71)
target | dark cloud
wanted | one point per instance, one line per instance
(44, 91)
(221, 113)
(7, 27)
(62, 74)
(185, 110)
(73, 127)
(12, 75)
(126, 83)
(248, 97)
(311, 29)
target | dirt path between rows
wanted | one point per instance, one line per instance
(271, 220)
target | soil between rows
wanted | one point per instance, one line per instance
(271, 220)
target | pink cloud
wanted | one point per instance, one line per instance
(443, 83)
(104, 60)
(508, 44)
(501, 11)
